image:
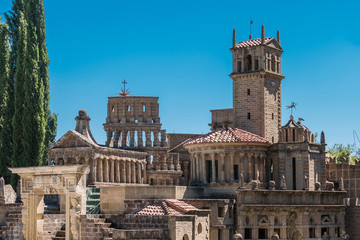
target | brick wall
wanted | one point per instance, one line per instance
(52, 224)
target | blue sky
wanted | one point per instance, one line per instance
(179, 51)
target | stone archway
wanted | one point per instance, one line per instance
(69, 180)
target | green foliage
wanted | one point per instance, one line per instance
(5, 102)
(50, 134)
(341, 151)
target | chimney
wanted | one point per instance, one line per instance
(278, 37)
(234, 38)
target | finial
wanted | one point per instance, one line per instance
(278, 37)
(251, 22)
(250, 37)
(262, 34)
(291, 117)
(322, 138)
(234, 38)
(124, 92)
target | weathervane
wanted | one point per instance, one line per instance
(124, 92)
(292, 106)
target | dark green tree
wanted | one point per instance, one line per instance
(341, 151)
(33, 115)
(6, 90)
(50, 134)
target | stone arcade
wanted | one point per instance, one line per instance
(249, 178)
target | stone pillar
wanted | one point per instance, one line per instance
(128, 172)
(156, 162)
(100, 170)
(176, 158)
(148, 162)
(144, 174)
(232, 157)
(108, 137)
(124, 138)
(213, 177)
(163, 138)
(117, 171)
(140, 140)
(250, 162)
(156, 139)
(164, 165)
(170, 161)
(203, 167)
(197, 168)
(123, 171)
(112, 170)
(106, 170)
(148, 138)
(241, 164)
(221, 167)
(133, 172)
(116, 139)
(138, 175)
(132, 138)
(192, 167)
(256, 166)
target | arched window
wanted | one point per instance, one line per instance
(273, 63)
(199, 228)
(186, 237)
(248, 63)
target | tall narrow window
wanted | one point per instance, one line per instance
(272, 116)
(238, 67)
(247, 233)
(293, 133)
(273, 61)
(128, 108)
(249, 116)
(248, 91)
(144, 108)
(294, 173)
(248, 63)
(256, 64)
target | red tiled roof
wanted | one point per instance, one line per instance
(252, 42)
(228, 135)
(167, 207)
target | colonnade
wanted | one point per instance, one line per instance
(126, 137)
(163, 161)
(221, 167)
(109, 169)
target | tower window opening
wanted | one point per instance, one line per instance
(256, 64)
(249, 116)
(248, 91)
(272, 116)
(272, 139)
(278, 67)
(128, 108)
(238, 68)
(144, 108)
(249, 63)
(273, 63)
(293, 133)
(112, 109)
(275, 97)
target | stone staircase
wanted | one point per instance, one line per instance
(92, 200)
(100, 222)
(13, 228)
(60, 235)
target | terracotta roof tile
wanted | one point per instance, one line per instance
(228, 135)
(252, 42)
(167, 207)
(182, 206)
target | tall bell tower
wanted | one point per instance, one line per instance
(257, 85)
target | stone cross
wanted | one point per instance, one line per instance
(283, 183)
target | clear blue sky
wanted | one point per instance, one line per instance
(179, 51)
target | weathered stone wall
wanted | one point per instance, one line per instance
(52, 224)
(10, 221)
(221, 118)
(352, 220)
(120, 234)
(180, 227)
(9, 194)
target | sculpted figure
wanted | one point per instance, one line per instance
(306, 183)
(283, 183)
(241, 181)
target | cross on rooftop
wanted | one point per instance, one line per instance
(124, 82)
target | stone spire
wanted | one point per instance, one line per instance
(82, 125)
(322, 138)
(278, 37)
(234, 38)
(262, 34)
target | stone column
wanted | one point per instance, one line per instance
(108, 137)
(241, 164)
(100, 170)
(156, 138)
(250, 162)
(256, 166)
(148, 138)
(148, 163)
(144, 174)
(124, 138)
(156, 162)
(192, 167)
(213, 177)
(132, 138)
(140, 140)
(106, 170)
(138, 176)
(221, 167)
(116, 139)
(112, 170)
(232, 157)
(176, 159)
(164, 165)
(170, 161)
(133, 172)
(163, 138)
(197, 168)
(117, 171)
(128, 172)
(123, 171)
(203, 167)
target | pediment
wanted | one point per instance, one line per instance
(273, 44)
(73, 139)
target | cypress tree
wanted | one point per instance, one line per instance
(50, 134)
(19, 94)
(6, 90)
(33, 115)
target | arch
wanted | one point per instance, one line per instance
(273, 61)
(185, 237)
(248, 61)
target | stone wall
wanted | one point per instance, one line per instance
(120, 234)
(9, 194)
(352, 220)
(221, 118)
(52, 224)
(10, 221)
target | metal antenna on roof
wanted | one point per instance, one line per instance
(251, 22)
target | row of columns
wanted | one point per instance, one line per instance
(121, 138)
(249, 164)
(164, 161)
(119, 171)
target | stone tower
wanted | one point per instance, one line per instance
(257, 85)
